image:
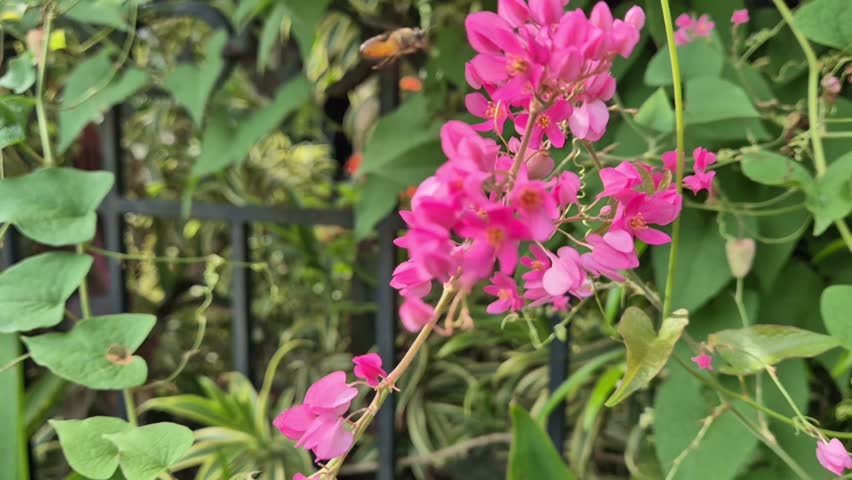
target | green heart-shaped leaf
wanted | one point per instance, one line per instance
(145, 452)
(14, 111)
(96, 353)
(54, 206)
(647, 351)
(191, 84)
(532, 456)
(21, 74)
(836, 308)
(751, 349)
(84, 445)
(33, 292)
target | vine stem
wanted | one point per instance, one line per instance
(525, 142)
(130, 407)
(820, 163)
(329, 472)
(679, 127)
(696, 442)
(84, 290)
(39, 100)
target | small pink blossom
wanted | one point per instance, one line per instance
(327, 438)
(685, 21)
(496, 234)
(610, 253)
(495, 114)
(299, 476)
(636, 216)
(565, 188)
(294, 421)
(369, 368)
(703, 27)
(681, 37)
(589, 120)
(536, 206)
(566, 275)
(547, 123)
(699, 181)
(619, 182)
(330, 395)
(833, 456)
(415, 313)
(739, 17)
(506, 290)
(831, 85)
(704, 361)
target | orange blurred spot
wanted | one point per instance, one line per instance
(408, 193)
(410, 83)
(353, 163)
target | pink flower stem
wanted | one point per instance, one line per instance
(525, 141)
(331, 469)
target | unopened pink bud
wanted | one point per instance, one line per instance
(539, 165)
(831, 85)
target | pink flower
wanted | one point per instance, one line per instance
(411, 280)
(330, 395)
(496, 234)
(699, 181)
(681, 36)
(504, 288)
(739, 17)
(294, 421)
(610, 253)
(703, 27)
(670, 160)
(494, 114)
(546, 12)
(589, 120)
(327, 438)
(299, 476)
(536, 206)
(565, 188)
(547, 123)
(635, 16)
(619, 182)
(415, 313)
(369, 368)
(514, 11)
(635, 216)
(833, 456)
(566, 275)
(704, 361)
(703, 158)
(685, 21)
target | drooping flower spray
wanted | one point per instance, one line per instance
(497, 199)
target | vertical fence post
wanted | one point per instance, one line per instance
(241, 323)
(113, 219)
(559, 358)
(386, 296)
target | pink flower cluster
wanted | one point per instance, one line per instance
(701, 179)
(318, 424)
(469, 221)
(690, 28)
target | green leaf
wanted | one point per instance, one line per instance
(712, 99)
(403, 150)
(699, 279)
(246, 10)
(836, 308)
(270, 35)
(647, 351)
(20, 74)
(826, 22)
(33, 292)
(97, 352)
(305, 19)
(13, 454)
(770, 168)
(657, 113)
(86, 98)
(14, 111)
(680, 404)
(42, 396)
(109, 13)
(225, 144)
(245, 476)
(832, 198)
(84, 445)
(146, 452)
(750, 349)
(450, 52)
(697, 59)
(191, 84)
(532, 455)
(54, 206)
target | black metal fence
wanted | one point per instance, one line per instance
(241, 218)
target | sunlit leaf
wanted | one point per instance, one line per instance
(146, 452)
(657, 113)
(97, 352)
(33, 292)
(54, 206)
(647, 350)
(751, 349)
(84, 445)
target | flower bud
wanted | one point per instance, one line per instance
(539, 165)
(740, 253)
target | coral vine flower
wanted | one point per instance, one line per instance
(415, 313)
(739, 17)
(589, 121)
(548, 123)
(833, 456)
(610, 253)
(330, 395)
(369, 368)
(495, 114)
(327, 438)
(643, 210)
(702, 179)
(566, 275)
(704, 361)
(506, 290)
(536, 206)
(496, 234)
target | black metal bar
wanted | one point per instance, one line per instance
(559, 358)
(237, 213)
(386, 297)
(113, 216)
(241, 324)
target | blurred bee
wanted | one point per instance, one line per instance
(389, 46)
